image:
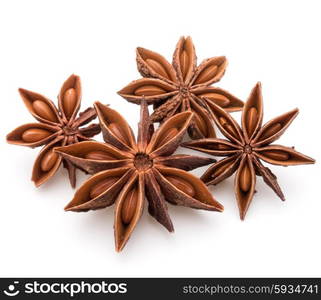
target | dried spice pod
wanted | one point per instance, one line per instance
(47, 162)
(126, 172)
(56, 127)
(69, 99)
(246, 147)
(33, 134)
(181, 87)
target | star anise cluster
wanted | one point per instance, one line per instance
(57, 127)
(126, 172)
(246, 146)
(182, 86)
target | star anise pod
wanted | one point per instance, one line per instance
(56, 127)
(246, 147)
(181, 86)
(131, 171)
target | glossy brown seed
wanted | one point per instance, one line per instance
(35, 134)
(182, 185)
(102, 186)
(273, 129)
(216, 146)
(277, 155)
(245, 179)
(48, 161)
(43, 110)
(149, 90)
(129, 206)
(166, 136)
(222, 169)
(69, 102)
(201, 124)
(118, 132)
(252, 117)
(157, 67)
(184, 62)
(223, 147)
(218, 99)
(206, 74)
(99, 155)
(229, 128)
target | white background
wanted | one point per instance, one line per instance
(278, 43)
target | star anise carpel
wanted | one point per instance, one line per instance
(126, 172)
(246, 146)
(182, 86)
(57, 127)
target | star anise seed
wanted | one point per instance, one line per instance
(246, 146)
(56, 127)
(126, 172)
(182, 86)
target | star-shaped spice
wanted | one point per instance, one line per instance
(246, 147)
(181, 86)
(56, 127)
(131, 171)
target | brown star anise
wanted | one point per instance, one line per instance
(57, 127)
(130, 171)
(246, 147)
(181, 86)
